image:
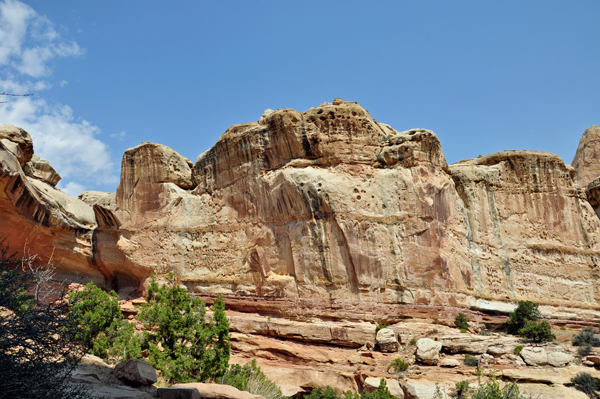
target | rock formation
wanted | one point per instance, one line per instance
(324, 208)
(316, 225)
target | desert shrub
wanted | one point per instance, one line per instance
(462, 389)
(586, 337)
(585, 383)
(413, 341)
(399, 365)
(319, 393)
(491, 389)
(584, 350)
(250, 378)
(95, 310)
(38, 345)
(518, 349)
(437, 394)
(181, 344)
(381, 392)
(525, 312)
(537, 332)
(380, 326)
(118, 342)
(463, 330)
(470, 361)
(461, 322)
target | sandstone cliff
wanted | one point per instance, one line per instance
(302, 213)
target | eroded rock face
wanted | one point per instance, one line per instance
(531, 231)
(587, 158)
(329, 209)
(40, 169)
(17, 141)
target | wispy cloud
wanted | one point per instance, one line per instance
(28, 45)
(119, 136)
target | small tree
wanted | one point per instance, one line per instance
(95, 310)
(461, 322)
(38, 350)
(537, 332)
(190, 348)
(526, 311)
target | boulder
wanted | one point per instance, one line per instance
(420, 389)
(449, 362)
(595, 359)
(217, 391)
(39, 168)
(24, 145)
(386, 339)
(559, 359)
(428, 351)
(534, 356)
(135, 372)
(117, 392)
(372, 383)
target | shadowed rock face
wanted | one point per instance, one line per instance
(329, 206)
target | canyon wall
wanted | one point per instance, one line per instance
(326, 209)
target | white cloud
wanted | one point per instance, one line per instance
(63, 83)
(28, 44)
(119, 136)
(28, 40)
(72, 188)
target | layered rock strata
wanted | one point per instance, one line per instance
(326, 212)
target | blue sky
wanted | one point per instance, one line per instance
(485, 76)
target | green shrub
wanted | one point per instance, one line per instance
(537, 332)
(462, 389)
(518, 349)
(380, 326)
(470, 361)
(585, 383)
(119, 342)
(492, 390)
(319, 393)
(413, 341)
(461, 322)
(586, 337)
(381, 392)
(181, 344)
(584, 350)
(399, 365)
(95, 310)
(250, 378)
(526, 311)
(463, 330)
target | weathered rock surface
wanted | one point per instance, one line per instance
(17, 141)
(326, 205)
(91, 197)
(541, 391)
(587, 158)
(534, 356)
(386, 339)
(40, 169)
(135, 371)
(559, 359)
(428, 351)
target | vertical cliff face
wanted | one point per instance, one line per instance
(532, 232)
(329, 205)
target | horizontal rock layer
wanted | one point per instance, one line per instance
(326, 207)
